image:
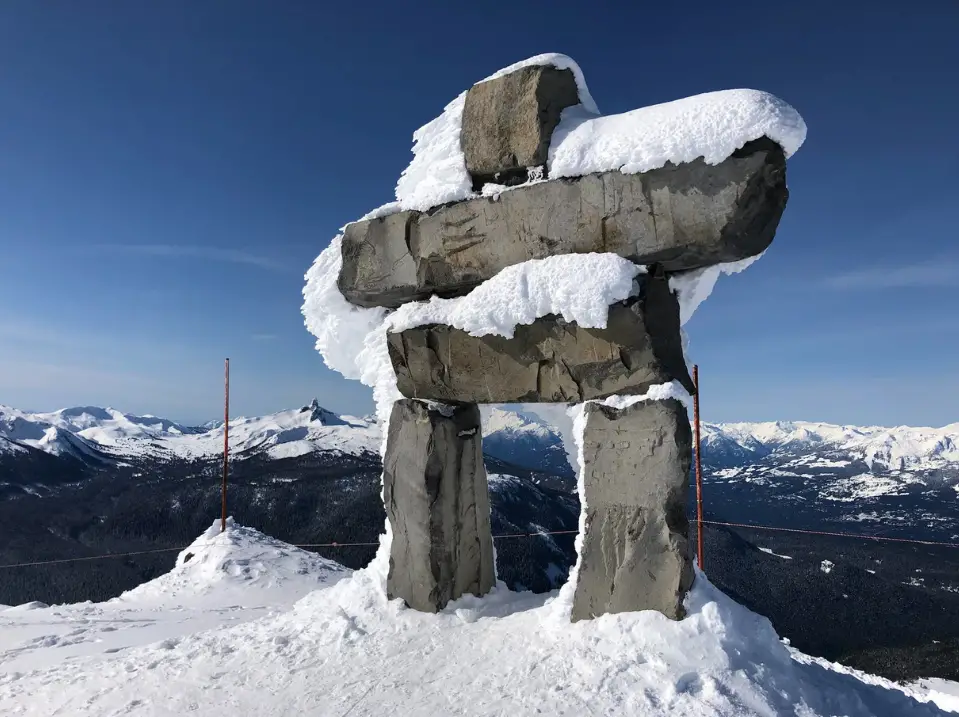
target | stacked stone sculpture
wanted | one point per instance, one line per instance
(677, 218)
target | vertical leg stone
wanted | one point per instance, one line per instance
(636, 547)
(437, 501)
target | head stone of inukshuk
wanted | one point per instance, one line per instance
(541, 253)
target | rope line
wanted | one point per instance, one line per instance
(337, 544)
(537, 533)
(836, 534)
(334, 544)
(91, 557)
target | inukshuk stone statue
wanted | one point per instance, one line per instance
(541, 253)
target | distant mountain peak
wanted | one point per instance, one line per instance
(323, 416)
(899, 448)
(500, 419)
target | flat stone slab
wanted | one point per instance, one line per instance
(550, 360)
(680, 216)
(635, 553)
(437, 502)
(508, 122)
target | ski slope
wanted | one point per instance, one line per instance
(250, 626)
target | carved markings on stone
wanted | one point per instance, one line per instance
(681, 217)
(635, 553)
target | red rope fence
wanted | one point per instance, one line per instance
(832, 533)
(504, 536)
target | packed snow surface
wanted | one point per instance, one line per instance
(221, 579)
(711, 125)
(344, 649)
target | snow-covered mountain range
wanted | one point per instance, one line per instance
(897, 449)
(103, 433)
(729, 449)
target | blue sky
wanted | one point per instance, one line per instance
(168, 171)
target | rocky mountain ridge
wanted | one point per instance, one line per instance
(95, 433)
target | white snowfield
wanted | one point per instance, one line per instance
(220, 580)
(249, 626)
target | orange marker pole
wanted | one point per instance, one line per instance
(226, 440)
(699, 470)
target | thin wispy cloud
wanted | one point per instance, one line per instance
(188, 251)
(933, 273)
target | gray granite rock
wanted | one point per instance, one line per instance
(550, 360)
(635, 553)
(508, 122)
(682, 217)
(437, 502)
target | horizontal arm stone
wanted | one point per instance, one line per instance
(679, 216)
(550, 360)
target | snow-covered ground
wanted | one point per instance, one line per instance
(228, 578)
(250, 626)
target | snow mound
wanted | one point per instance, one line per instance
(344, 649)
(943, 692)
(25, 607)
(239, 558)
(711, 125)
(230, 578)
